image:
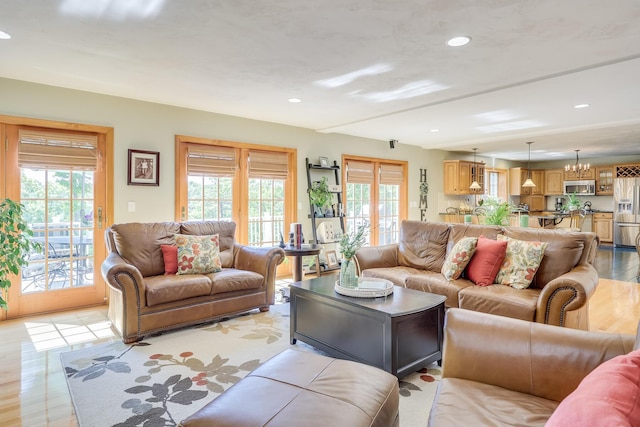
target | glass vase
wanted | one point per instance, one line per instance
(348, 276)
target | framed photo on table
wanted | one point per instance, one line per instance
(332, 259)
(143, 168)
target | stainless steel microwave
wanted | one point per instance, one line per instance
(580, 188)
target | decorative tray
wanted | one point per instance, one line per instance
(368, 287)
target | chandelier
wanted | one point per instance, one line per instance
(529, 182)
(474, 185)
(577, 167)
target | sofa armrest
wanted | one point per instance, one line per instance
(376, 257)
(568, 292)
(124, 278)
(532, 358)
(260, 260)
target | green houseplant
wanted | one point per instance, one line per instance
(574, 202)
(319, 194)
(15, 243)
(497, 213)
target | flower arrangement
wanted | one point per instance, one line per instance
(351, 242)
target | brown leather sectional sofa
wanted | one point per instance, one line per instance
(508, 372)
(143, 300)
(559, 294)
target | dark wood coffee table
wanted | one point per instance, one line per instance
(400, 333)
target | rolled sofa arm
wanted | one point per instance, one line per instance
(263, 261)
(532, 358)
(377, 256)
(565, 294)
(125, 278)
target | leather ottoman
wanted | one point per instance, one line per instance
(300, 388)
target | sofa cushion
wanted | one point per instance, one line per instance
(421, 246)
(163, 289)
(230, 279)
(458, 257)
(501, 300)
(436, 283)
(461, 402)
(226, 231)
(563, 252)
(170, 256)
(521, 262)
(198, 254)
(139, 244)
(610, 394)
(486, 261)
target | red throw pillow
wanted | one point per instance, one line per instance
(170, 255)
(486, 261)
(608, 397)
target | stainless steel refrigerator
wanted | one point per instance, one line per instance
(626, 213)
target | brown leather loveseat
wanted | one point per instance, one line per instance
(558, 295)
(143, 299)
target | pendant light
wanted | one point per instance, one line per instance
(474, 185)
(529, 182)
(578, 167)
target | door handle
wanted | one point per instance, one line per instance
(100, 218)
(183, 214)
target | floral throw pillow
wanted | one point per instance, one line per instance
(198, 254)
(459, 257)
(521, 262)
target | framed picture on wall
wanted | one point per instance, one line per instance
(143, 168)
(324, 162)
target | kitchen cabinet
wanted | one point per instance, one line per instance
(603, 226)
(459, 174)
(536, 203)
(604, 180)
(571, 175)
(553, 180)
(517, 177)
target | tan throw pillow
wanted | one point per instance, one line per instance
(459, 257)
(198, 254)
(521, 262)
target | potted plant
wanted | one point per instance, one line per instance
(574, 203)
(15, 243)
(319, 194)
(497, 213)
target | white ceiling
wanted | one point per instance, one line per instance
(374, 68)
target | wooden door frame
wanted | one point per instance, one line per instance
(105, 134)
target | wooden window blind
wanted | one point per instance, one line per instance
(211, 160)
(57, 150)
(359, 172)
(391, 174)
(268, 165)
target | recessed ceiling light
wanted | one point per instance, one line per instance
(581, 106)
(4, 36)
(459, 41)
(295, 100)
(434, 130)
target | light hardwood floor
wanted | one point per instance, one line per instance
(33, 390)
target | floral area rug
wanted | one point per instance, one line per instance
(165, 378)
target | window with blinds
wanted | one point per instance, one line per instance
(371, 183)
(239, 182)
